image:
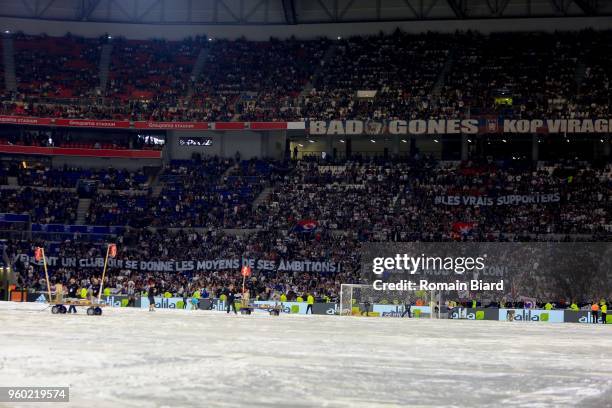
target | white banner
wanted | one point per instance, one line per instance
(485, 201)
(191, 265)
(458, 126)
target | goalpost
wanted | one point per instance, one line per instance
(358, 300)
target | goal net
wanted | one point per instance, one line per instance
(364, 300)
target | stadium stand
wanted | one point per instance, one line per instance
(311, 209)
(50, 67)
(348, 202)
(593, 93)
(488, 68)
(240, 73)
(65, 177)
(162, 244)
(45, 206)
(2, 88)
(66, 139)
(399, 75)
(400, 70)
(153, 93)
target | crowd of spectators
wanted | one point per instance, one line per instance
(195, 193)
(595, 89)
(377, 77)
(43, 205)
(68, 177)
(1, 72)
(399, 71)
(189, 197)
(213, 244)
(398, 201)
(60, 137)
(151, 78)
(53, 67)
(42, 138)
(121, 208)
(341, 204)
(537, 71)
(376, 200)
(583, 206)
(257, 81)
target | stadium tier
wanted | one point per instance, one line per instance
(305, 210)
(561, 75)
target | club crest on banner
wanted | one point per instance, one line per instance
(373, 128)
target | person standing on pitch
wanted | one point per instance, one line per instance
(94, 289)
(59, 292)
(366, 306)
(595, 311)
(407, 309)
(151, 292)
(131, 292)
(604, 312)
(310, 300)
(72, 294)
(231, 299)
(185, 299)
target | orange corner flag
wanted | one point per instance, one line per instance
(246, 271)
(38, 253)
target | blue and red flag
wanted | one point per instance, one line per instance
(463, 228)
(306, 226)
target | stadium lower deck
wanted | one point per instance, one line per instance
(178, 358)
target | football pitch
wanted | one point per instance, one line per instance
(177, 358)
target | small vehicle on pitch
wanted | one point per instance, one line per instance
(94, 306)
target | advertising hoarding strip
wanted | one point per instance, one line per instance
(24, 120)
(172, 125)
(66, 151)
(377, 310)
(268, 125)
(475, 125)
(85, 123)
(229, 125)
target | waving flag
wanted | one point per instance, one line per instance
(38, 253)
(306, 226)
(246, 271)
(463, 228)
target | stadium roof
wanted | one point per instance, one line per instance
(258, 12)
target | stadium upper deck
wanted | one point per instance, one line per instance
(523, 75)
